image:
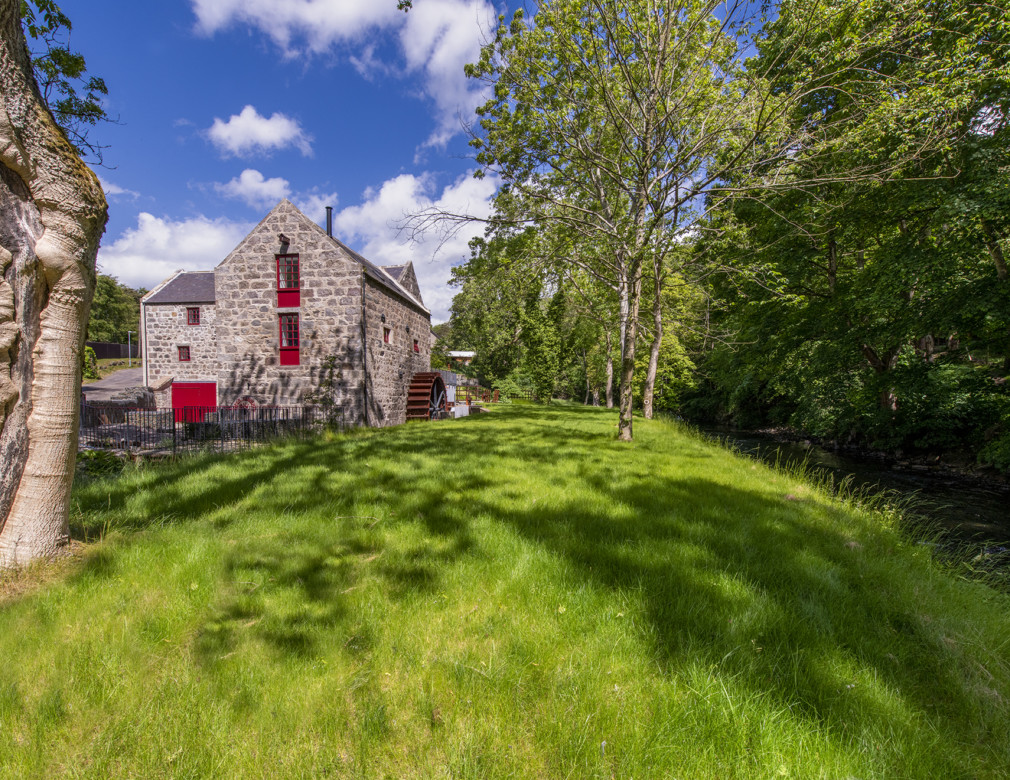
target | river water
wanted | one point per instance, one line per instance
(968, 512)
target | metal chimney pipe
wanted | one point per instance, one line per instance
(329, 221)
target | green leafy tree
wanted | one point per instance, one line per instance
(115, 311)
(75, 97)
(627, 121)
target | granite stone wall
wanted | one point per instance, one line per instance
(165, 329)
(248, 345)
(391, 366)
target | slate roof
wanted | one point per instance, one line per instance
(396, 271)
(189, 287)
(381, 274)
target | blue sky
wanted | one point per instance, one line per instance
(228, 105)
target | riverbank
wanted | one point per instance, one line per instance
(966, 512)
(514, 594)
(959, 465)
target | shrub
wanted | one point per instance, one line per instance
(90, 362)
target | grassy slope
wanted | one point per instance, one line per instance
(515, 595)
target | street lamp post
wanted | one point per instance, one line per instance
(129, 349)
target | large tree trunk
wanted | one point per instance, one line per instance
(52, 214)
(648, 394)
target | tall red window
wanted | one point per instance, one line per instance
(193, 315)
(417, 347)
(183, 354)
(288, 281)
(289, 339)
(385, 335)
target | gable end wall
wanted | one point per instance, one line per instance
(329, 319)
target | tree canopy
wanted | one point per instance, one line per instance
(824, 171)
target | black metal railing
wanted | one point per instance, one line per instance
(171, 431)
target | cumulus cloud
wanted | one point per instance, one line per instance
(436, 39)
(439, 38)
(261, 193)
(320, 23)
(249, 133)
(158, 247)
(115, 191)
(374, 228)
(255, 189)
(313, 203)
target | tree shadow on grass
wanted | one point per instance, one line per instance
(746, 585)
(735, 579)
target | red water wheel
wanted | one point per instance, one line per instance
(426, 397)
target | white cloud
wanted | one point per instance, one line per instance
(255, 189)
(261, 193)
(313, 204)
(436, 39)
(115, 191)
(374, 228)
(157, 247)
(321, 23)
(248, 133)
(440, 37)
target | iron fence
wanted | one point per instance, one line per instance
(190, 428)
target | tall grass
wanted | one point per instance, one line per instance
(510, 595)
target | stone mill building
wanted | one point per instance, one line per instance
(292, 316)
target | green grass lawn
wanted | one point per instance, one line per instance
(516, 594)
(109, 366)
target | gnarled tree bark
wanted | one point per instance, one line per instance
(52, 214)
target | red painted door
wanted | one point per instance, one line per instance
(187, 397)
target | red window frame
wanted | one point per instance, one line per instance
(385, 335)
(289, 340)
(184, 354)
(417, 347)
(192, 315)
(289, 281)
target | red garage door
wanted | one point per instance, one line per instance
(188, 397)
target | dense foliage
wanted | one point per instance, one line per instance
(878, 311)
(830, 254)
(115, 311)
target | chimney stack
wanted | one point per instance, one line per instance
(329, 221)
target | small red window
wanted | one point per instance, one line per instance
(289, 339)
(183, 354)
(288, 281)
(417, 347)
(385, 335)
(193, 315)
